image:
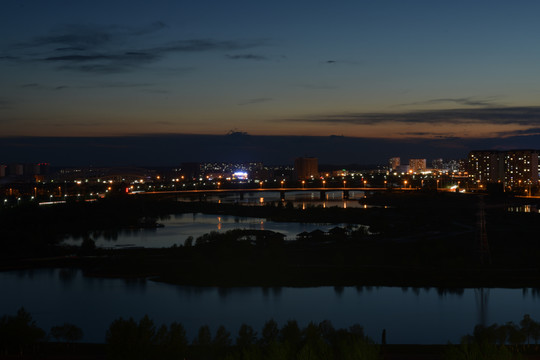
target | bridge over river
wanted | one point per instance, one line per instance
(283, 191)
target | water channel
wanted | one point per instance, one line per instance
(177, 228)
(411, 315)
(55, 296)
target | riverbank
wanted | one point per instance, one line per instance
(420, 240)
(156, 266)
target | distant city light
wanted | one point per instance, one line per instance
(240, 175)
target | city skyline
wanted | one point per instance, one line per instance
(390, 78)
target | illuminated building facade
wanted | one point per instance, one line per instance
(484, 166)
(394, 163)
(512, 167)
(306, 168)
(417, 165)
(437, 164)
(520, 167)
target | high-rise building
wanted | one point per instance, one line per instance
(520, 167)
(417, 165)
(306, 168)
(484, 166)
(190, 169)
(437, 164)
(511, 167)
(394, 163)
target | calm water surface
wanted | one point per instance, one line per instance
(179, 227)
(427, 316)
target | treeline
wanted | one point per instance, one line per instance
(130, 339)
(143, 339)
(19, 334)
(498, 341)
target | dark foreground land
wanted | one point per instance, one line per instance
(84, 351)
(415, 239)
(21, 338)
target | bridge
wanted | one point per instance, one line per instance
(322, 191)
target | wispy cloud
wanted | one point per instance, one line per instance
(105, 85)
(247, 57)
(254, 101)
(525, 115)
(466, 101)
(524, 132)
(114, 49)
(321, 86)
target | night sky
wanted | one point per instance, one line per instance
(139, 82)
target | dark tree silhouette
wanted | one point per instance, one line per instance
(19, 334)
(67, 332)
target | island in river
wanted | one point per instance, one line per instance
(420, 239)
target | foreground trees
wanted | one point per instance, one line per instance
(497, 342)
(19, 334)
(128, 339)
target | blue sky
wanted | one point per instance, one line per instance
(404, 70)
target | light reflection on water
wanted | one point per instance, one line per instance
(523, 209)
(301, 199)
(410, 315)
(181, 226)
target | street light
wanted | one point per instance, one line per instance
(282, 182)
(303, 183)
(323, 183)
(344, 183)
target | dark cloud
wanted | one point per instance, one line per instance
(200, 45)
(340, 62)
(255, 101)
(70, 49)
(77, 37)
(110, 68)
(428, 134)
(247, 57)
(74, 37)
(526, 115)
(9, 58)
(124, 85)
(467, 101)
(527, 132)
(80, 58)
(105, 85)
(170, 150)
(114, 49)
(318, 86)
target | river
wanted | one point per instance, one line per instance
(427, 316)
(177, 228)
